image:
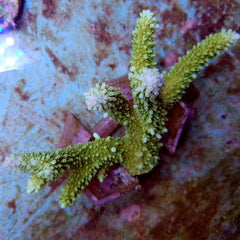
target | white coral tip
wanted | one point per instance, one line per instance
(151, 82)
(96, 98)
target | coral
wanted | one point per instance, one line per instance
(153, 95)
(9, 10)
(187, 67)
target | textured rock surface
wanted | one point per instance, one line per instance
(71, 45)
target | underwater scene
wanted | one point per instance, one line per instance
(119, 120)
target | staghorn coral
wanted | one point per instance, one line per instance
(153, 94)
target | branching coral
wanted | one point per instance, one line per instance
(153, 94)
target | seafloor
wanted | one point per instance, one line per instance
(70, 45)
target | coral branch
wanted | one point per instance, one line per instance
(143, 42)
(186, 69)
(111, 102)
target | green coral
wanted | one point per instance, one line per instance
(187, 67)
(143, 42)
(153, 94)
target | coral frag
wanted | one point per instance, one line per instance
(154, 94)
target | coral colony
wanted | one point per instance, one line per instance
(9, 11)
(154, 94)
(10, 54)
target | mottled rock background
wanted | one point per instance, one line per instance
(69, 46)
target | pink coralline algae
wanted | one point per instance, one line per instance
(188, 25)
(132, 213)
(170, 59)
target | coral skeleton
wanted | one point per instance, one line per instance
(154, 94)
